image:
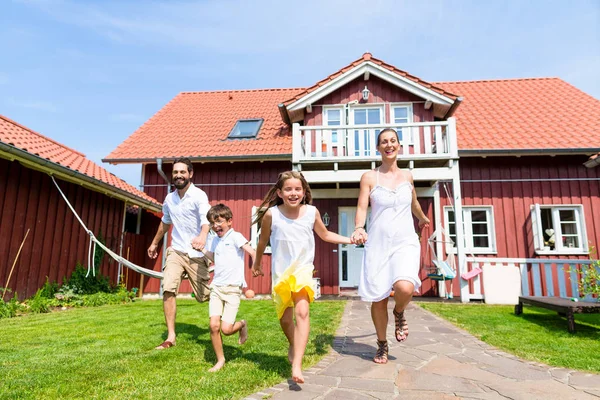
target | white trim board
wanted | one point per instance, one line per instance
(378, 71)
(353, 193)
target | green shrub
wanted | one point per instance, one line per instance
(79, 284)
(49, 289)
(39, 303)
(10, 308)
(589, 284)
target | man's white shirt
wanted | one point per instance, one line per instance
(187, 215)
(229, 259)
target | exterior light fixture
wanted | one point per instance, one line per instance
(326, 219)
(365, 93)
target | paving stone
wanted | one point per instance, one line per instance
(539, 390)
(323, 380)
(560, 374)
(368, 385)
(481, 396)
(425, 395)
(593, 392)
(342, 394)
(419, 380)
(581, 380)
(448, 367)
(441, 348)
(301, 392)
(351, 366)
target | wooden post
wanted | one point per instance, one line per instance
(14, 263)
(141, 291)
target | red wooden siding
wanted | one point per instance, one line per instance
(381, 92)
(240, 186)
(511, 185)
(56, 241)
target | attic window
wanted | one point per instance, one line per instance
(245, 128)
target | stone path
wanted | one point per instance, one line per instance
(438, 361)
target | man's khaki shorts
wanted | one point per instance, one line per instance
(224, 302)
(196, 269)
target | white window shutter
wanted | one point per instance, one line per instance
(536, 223)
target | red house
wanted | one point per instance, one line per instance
(498, 165)
(34, 216)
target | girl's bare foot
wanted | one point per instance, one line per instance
(243, 332)
(291, 354)
(297, 374)
(217, 366)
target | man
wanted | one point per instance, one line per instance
(185, 208)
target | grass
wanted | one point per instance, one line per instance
(106, 352)
(537, 335)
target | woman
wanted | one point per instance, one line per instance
(392, 252)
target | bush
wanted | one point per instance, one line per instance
(589, 284)
(49, 289)
(79, 284)
(10, 308)
(39, 303)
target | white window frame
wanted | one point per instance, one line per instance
(340, 142)
(255, 232)
(538, 237)
(410, 115)
(467, 223)
(381, 109)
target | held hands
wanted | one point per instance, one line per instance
(197, 243)
(359, 236)
(257, 270)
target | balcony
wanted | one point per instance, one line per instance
(342, 154)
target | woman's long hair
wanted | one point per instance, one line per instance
(271, 199)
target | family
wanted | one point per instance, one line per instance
(288, 221)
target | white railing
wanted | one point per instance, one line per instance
(539, 277)
(418, 140)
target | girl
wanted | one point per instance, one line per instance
(287, 219)
(392, 252)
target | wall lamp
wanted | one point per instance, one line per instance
(326, 219)
(365, 93)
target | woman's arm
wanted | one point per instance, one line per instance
(265, 235)
(366, 183)
(327, 235)
(416, 206)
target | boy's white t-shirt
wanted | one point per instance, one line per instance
(229, 259)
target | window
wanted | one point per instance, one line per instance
(480, 235)
(245, 128)
(402, 114)
(364, 139)
(559, 229)
(333, 117)
(255, 233)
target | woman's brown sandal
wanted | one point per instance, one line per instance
(381, 355)
(401, 331)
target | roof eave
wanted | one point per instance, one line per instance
(254, 157)
(535, 152)
(41, 164)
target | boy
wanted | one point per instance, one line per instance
(226, 250)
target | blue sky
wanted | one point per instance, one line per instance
(89, 73)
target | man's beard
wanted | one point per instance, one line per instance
(180, 184)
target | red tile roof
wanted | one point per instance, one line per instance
(525, 114)
(364, 58)
(196, 124)
(23, 138)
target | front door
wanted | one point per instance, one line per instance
(350, 255)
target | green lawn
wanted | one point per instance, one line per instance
(538, 334)
(107, 352)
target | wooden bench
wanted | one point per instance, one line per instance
(561, 305)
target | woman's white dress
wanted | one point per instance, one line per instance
(392, 251)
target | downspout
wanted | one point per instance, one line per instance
(453, 108)
(159, 163)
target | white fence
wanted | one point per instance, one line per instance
(539, 277)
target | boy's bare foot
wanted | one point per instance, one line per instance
(217, 366)
(291, 354)
(165, 345)
(297, 374)
(243, 332)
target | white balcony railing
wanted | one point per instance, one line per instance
(418, 141)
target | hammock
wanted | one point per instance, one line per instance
(95, 242)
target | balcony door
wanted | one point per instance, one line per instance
(350, 255)
(364, 139)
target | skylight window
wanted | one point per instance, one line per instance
(245, 128)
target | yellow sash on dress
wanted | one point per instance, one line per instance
(293, 280)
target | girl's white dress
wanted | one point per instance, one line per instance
(392, 251)
(292, 256)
